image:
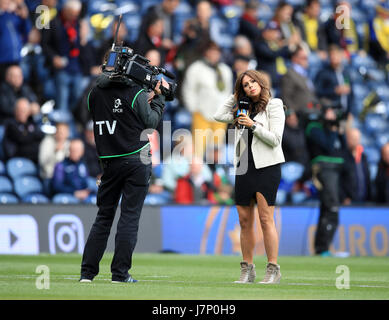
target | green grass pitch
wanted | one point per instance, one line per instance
(176, 277)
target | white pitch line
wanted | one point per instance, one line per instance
(73, 278)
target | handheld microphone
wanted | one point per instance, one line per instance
(243, 103)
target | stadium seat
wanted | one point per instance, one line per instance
(35, 198)
(183, 119)
(18, 167)
(291, 171)
(92, 184)
(2, 168)
(91, 199)
(64, 198)
(373, 154)
(2, 129)
(6, 198)
(366, 62)
(383, 92)
(281, 197)
(375, 123)
(373, 169)
(5, 185)
(157, 199)
(157, 171)
(382, 138)
(298, 197)
(27, 185)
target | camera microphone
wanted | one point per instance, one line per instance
(167, 73)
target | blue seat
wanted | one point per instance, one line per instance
(92, 184)
(157, 171)
(373, 169)
(18, 167)
(91, 199)
(373, 154)
(383, 92)
(27, 185)
(2, 129)
(298, 197)
(382, 138)
(375, 123)
(281, 197)
(6, 198)
(2, 168)
(35, 198)
(64, 198)
(291, 171)
(183, 119)
(5, 185)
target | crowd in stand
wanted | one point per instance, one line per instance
(313, 61)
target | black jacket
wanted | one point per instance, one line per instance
(121, 112)
(382, 183)
(349, 179)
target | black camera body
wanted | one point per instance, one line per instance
(122, 62)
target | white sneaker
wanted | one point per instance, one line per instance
(247, 273)
(85, 280)
(273, 274)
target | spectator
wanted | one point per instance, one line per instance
(12, 89)
(222, 180)
(178, 165)
(35, 73)
(378, 35)
(151, 38)
(297, 89)
(345, 36)
(194, 187)
(22, 136)
(243, 48)
(207, 83)
(195, 33)
(53, 149)
(90, 154)
(294, 144)
(382, 178)
(240, 65)
(249, 24)
(15, 26)
(90, 67)
(311, 28)
(283, 17)
(164, 11)
(107, 44)
(61, 46)
(271, 51)
(70, 175)
(333, 81)
(356, 186)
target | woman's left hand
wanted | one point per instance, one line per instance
(245, 121)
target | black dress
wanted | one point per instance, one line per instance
(264, 180)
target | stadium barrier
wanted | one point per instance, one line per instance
(34, 229)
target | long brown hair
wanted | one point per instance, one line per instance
(265, 95)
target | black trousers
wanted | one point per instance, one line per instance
(127, 177)
(329, 176)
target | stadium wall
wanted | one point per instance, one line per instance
(34, 229)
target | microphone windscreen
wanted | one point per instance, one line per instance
(244, 103)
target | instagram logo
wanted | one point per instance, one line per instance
(66, 234)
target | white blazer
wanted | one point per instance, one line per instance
(267, 137)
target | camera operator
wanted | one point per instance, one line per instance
(327, 146)
(121, 109)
